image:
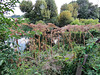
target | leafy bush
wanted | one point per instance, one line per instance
(69, 68)
(8, 60)
(40, 21)
(65, 18)
(89, 21)
(85, 22)
(77, 22)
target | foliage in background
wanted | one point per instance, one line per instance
(76, 22)
(15, 16)
(26, 6)
(65, 18)
(87, 10)
(40, 21)
(83, 8)
(51, 6)
(99, 14)
(40, 11)
(72, 7)
(90, 21)
(85, 22)
(46, 10)
(93, 11)
(63, 7)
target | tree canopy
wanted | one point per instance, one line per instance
(83, 8)
(63, 7)
(72, 7)
(26, 6)
(46, 10)
(51, 5)
(93, 11)
(40, 11)
(65, 18)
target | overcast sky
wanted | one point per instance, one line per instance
(59, 3)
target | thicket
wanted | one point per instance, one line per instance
(42, 56)
(66, 55)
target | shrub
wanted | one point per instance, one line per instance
(89, 21)
(85, 22)
(40, 21)
(96, 21)
(65, 18)
(8, 60)
(77, 22)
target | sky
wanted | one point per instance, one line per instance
(59, 3)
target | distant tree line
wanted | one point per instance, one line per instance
(15, 16)
(46, 10)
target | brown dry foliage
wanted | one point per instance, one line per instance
(51, 31)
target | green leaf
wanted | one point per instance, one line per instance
(1, 62)
(66, 59)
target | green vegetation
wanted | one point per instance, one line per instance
(46, 10)
(63, 7)
(51, 50)
(51, 5)
(83, 8)
(7, 54)
(40, 22)
(65, 18)
(72, 7)
(85, 22)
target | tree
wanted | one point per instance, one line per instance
(51, 5)
(75, 9)
(40, 11)
(6, 6)
(83, 8)
(72, 7)
(26, 6)
(63, 7)
(93, 11)
(99, 14)
(65, 18)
